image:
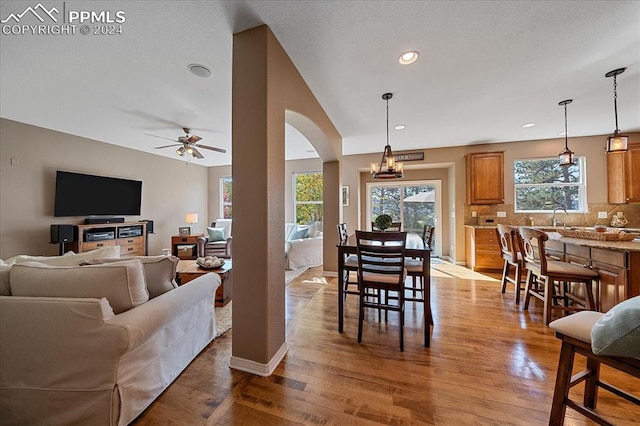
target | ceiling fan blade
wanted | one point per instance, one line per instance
(161, 137)
(196, 153)
(213, 148)
(193, 139)
(167, 146)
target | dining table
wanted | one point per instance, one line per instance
(414, 248)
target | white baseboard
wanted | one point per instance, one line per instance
(258, 368)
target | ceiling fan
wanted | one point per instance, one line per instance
(188, 144)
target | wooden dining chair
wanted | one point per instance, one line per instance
(414, 267)
(427, 235)
(554, 278)
(350, 263)
(381, 271)
(508, 238)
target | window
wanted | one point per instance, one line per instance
(225, 197)
(307, 203)
(542, 184)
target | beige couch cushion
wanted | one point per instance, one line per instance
(159, 271)
(121, 283)
(69, 258)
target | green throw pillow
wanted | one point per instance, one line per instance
(216, 234)
(617, 333)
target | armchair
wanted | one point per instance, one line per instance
(217, 241)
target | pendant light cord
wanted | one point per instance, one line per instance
(388, 122)
(566, 144)
(615, 100)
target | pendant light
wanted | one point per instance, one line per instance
(616, 142)
(566, 156)
(388, 168)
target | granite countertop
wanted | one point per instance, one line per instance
(633, 245)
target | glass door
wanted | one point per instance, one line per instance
(415, 204)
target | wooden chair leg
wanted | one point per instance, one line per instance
(505, 274)
(548, 301)
(591, 383)
(360, 316)
(517, 283)
(563, 380)
(401, 302)
(527, 289)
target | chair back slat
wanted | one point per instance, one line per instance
(508, 242)
(532, 249)
(342, 232)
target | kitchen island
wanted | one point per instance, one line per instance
(617, 262)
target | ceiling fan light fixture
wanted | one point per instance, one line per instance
(200, 70)
(566, 156)
(180, 151)
(617, 142)
(388, 168)
(409, 57)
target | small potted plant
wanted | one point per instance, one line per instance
(383, 222)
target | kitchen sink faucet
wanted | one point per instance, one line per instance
(555, 223)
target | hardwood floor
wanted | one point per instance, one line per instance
(489, 363)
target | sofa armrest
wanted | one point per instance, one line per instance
(229, 241)
(144, 321)
(58, 343)
(201, 242)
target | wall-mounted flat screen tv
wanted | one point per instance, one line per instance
(80, 194)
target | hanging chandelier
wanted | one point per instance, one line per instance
(389, 168)
(566, 156)
(617, 141)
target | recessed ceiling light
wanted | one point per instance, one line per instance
(563, 133)
(527, 125)
(200, 70)
(408, 57)
(400, 127)
(310, 151)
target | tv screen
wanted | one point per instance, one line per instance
(88, 195)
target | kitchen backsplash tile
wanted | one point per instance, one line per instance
(630, 211)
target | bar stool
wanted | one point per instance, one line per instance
(580, 334)
(554, 278)
(508, 238)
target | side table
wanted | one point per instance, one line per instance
(185, 246)
(188, 270)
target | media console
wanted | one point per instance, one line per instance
(130, 236)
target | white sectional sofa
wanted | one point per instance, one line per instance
(302, 246)
(96, 344)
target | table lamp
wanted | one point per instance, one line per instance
(191, 218)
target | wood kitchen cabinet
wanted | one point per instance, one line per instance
(485, 177)
(483, 249)
(623, 176)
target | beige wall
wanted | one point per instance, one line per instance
(170, 188)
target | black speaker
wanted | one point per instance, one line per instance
(101, 220)
(149, 225)
(62, 233)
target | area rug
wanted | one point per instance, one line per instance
(290, 275)
(223, 319)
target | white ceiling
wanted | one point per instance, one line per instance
(485, 68)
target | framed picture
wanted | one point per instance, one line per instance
(345, 195)
(184, 230)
